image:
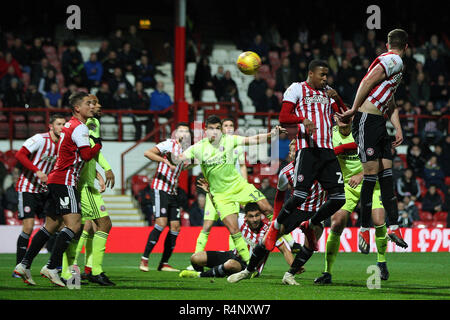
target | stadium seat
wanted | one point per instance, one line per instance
(423, 187)
(4, 130)
(208, 95)
(139, 183)
(20, 130)
(441, 193)
(34, 128)
(403, 157)
(447, 181)
(425, 216)
(36, 118)
(219, 56)
(419, 224)
(440, 216)
(418, 205)
(438, 224)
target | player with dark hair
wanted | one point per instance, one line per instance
(316, 198)
(225, 263)
(309, 104)
(38, 157)
(228, 188)
(165, 204)
(73, 150)
(373, 102)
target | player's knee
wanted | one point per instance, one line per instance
(198, 259)
(232, 266)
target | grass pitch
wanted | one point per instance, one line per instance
(413, 276)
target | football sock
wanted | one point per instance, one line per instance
(69, 259)
(367, 187)
(38, 242)
(216, 271)
(331, 250)
(388, 196)
(334, 203)
(300, 259)
(201, 241)
(258, 255)
(152, 240)
(88, 251)
(241, 246)
(169, 245)
(81, 243)
(61, 243)
(98, 252)
(22, 244)
(381, 242)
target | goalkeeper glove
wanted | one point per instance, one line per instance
(96, 140)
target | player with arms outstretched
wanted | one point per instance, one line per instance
(346, 149)
(374, 100)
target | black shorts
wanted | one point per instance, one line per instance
(371, 136)
(165, 205)
(35, 204)
(216, 258)
(66, 199)
(294, 220)
(318, 164)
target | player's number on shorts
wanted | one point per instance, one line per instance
(258, 196)
(339, 174)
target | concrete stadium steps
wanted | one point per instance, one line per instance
(122, 211)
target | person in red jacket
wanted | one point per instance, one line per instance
(8, 61)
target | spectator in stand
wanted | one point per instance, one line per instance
(325, 46)
(261, 48)
(145, 73)
(128, 57)
(359, 74)
(296, 55)
(301, 71)
(335, 59)
(257, 92)
(435, 65)
(408, 124)
(110, 65)
(94, 71)
(404, 220)
(119, 79)
(121, 97)
(103, 51)
(274, 38)
(218, 81)
(5, 82)
(133, 38)
(228, 81)
(416, 160)
(20, 53)
(232, 95)
(430, 128)
(116, 40)
(197, 210)
(283, 146)
(419, 90)
(139, 98)
(71, 89)
(398, 169)
(36, 53)
(46, 82)
(145, 202)
(105, 96)
(432, 201)
(433, 174)
(7, 63)
(284, 76)
(348, 90)
(53, 98)
(411, 208)
(417, 141)
(408, 186)
(267, 190)
(34, 98)
(410, 64)
(316, 55)
(344, 73)
(14, 96)
(159, 99)
(271, 102)
(371, 44)
(11, 199)
(191, 51)
(70, 54)
(74, 72)
(439, 92)
(41, 70)
(357, 61)
(202, 78)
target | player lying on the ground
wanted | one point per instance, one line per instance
(315, 199)
(225, 263)
(347, 153)
(229, 189)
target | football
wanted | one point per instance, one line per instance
(248, 62)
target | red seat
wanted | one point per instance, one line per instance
(18, 117)
(418, 205)
(440, 216)
(36, 118)
(425, 216)
(438, 224)
(439, 192)
(419, 224)
(423, 187)
(447, 181)
(4, 130)
(34, 128)
(403, 157)
(139, 183)
(10, 153)
(20, 130)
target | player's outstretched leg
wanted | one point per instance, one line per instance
(258, 255)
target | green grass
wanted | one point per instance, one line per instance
(423, 276)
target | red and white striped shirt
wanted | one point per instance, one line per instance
(166, 179)
(316, 106)
(253, 238)
(317, 195)
(382, 93)
(74, 135)
(43, 152)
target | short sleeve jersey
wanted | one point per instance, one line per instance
(89, 172)
(349, 161)
(166, 179)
